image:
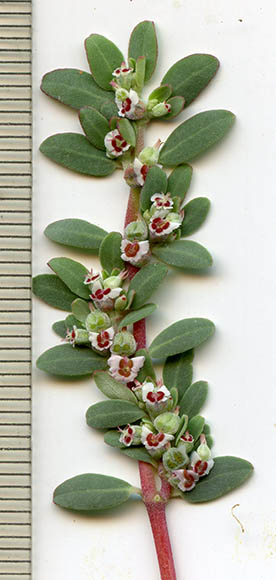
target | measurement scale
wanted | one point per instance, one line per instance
(15, 289)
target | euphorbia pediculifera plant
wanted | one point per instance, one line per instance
(152, 420)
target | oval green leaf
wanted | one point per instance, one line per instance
(80, 309)
(107, 414)
(75, 88)
(73, 151)
(72, 273)
(95, 126)
(184, 254)
(195, 136)
(60, 327)
(179, 180)
(109, 109)
(194, 399)
(138, 454)
(181, 336)
(112, 438)
(227, 474)
(76, 233)
(103, 57)
(53, 291)
(112, 389)
(136, 315)
(143, 42)
(156, 182)
(91, 492)
(195, 213)
(178, 372)
(196, 426)
(190, 75)
(66, 361)
(127, 131)
(162, 93)
(110, 252)
(145, 282)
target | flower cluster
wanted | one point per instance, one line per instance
(99, 330)
(160, 223)
(165, 436)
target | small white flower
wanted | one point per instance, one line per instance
(140, 171)
(134, 252)
(154, 395)
(185, 479)
(125, 369)
(103, 298)
(153, 441)
(102, 340)
(115, 144)
(130, 435)
(91, 277)
(160, 227)
(126, 102)
(123, 71)
(162, 201)
(200, 467)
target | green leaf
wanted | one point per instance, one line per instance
(103, 57)
(60, 327)
(95, 126)
(92, 492)
(112, 389)
(66, 361)
(72, 273)
(109, 109)
(80, 309)
(178, 372)
(139, 454)
(73, 150)
(194, 399)
(196, 426)
(113, 413)
(147, 369)
(75, 88)
(136, 315)
(76, 233)
(156, 182)
(143, 42)
(110, 252)
(227, 474)
(179, 180)
(53, 291)
(181, 336)
(162, 93)
(177, 105)
(145, 282)
(112, 438)
(127, 131)
(184, 254)
(195, 213)
(190, 75)
(195, 136)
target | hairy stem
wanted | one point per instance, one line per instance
(154, 500)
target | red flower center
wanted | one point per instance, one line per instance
(125, 366)
(200, 467)
(132, 249)
(103, 339)
(144, 171)
(159, 225)
(189, 479)
(155, 397)
(118, 143)
(126, 106)
(100, 294)
(153, 439)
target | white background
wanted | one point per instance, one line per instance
(238, 295)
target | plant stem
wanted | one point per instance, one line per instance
(154, 500)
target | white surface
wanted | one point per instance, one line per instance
(238, 176)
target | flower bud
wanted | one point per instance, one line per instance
(161, 109)
(112, 282)
(174, 217)
(175, 458)
(120, 303)
(152, 103)
(204, 452)
(136, 231)
(167, 422)
(149, 156)
(82, 336)
(124, 343)
(97, 321)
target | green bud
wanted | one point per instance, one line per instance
(136, 231)
(124, 343)
(120, 303)
(97, 321)
(151, 104)
(167, 422)
(160, 110)
(187, 445)
(147, 216)
(81, 336)
(137, 435)
(174, 217)
(121, 94)
(204, 452)
(149, 156)
(112, 282)
(175, 457)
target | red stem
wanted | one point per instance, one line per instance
(155, 501)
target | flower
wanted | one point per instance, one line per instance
(129, 104)
(153, 441)
(103, 297)
(185, 479)
(153, 395)
(134, 252)
(131, 435)
(77, 336)
(199, 466)
(140, 171)
(162, 201)
(97, 321)
(115, 144)
(125, 369)
(102, 340)
(123, 70)
(161, 227)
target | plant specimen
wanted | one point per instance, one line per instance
(152, 420)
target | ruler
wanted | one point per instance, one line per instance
(15, 282)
